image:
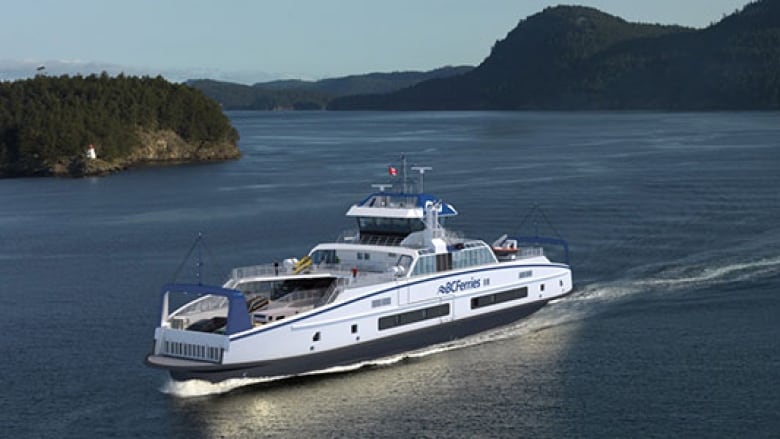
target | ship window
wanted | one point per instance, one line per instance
(354, 329)
(541, 288)
(415, 316)
(396, 226)
(325, 256)
(494, 299)
(472, 255)
(380, 302)
(316, 337)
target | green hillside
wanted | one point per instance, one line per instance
(297, 94)
(46, 124)
(574, 58)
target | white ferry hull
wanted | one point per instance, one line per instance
(354, 354)
(289, 348)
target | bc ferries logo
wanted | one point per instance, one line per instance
(458, 285)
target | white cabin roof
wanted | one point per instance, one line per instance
(398, 205)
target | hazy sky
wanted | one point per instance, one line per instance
(253, 40)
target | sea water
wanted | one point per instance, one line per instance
(673, 329)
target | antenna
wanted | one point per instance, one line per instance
(422, 170)
(382, 187)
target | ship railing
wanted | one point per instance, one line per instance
(354, 237)
(333, 291)
(530, 252)
(361, 276)
(351, 236)
(300, 296)
(259, 271)
(371, 278)
(537, 242)
(202, 305)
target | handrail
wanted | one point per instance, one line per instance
(237, 316)
(362, 277)
(333, 291)
(546, 240)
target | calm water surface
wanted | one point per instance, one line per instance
(673, 330)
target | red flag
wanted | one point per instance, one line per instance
(392, 171)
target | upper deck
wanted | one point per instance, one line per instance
(398, 205)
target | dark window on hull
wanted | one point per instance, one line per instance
(494, 299)
(414, 316)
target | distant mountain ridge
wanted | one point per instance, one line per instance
(365, 84)
(295, 94)
(578, 58)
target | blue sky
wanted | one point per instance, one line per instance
(249, 41)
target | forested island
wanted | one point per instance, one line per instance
(579, 58)
(48, 123)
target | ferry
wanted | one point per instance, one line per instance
(399, 282)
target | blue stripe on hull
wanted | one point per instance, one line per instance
(361, 351)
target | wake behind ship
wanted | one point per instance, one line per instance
(400, 282)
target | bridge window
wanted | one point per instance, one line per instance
(400, 226)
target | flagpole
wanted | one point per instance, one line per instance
(403, 161)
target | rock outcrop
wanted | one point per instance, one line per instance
(159, 147)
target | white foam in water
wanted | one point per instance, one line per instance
(674, 280)
(198, 388)
(720, 274)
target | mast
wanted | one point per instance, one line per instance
(199, 264)
(422, 170)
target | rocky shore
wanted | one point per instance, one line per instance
(162, 147)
